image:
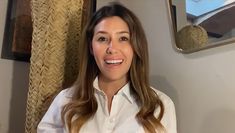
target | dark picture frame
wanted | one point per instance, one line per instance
(18, 31)
(174, 17)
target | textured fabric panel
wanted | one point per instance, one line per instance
(57, 27)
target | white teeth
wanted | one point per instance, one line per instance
(113, 61)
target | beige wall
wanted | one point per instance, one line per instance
(201, 84)
(13, 87)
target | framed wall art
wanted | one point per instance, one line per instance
(18, 31)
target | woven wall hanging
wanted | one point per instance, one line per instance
(57, 26)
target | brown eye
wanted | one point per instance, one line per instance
(124, 38)
(102, 39)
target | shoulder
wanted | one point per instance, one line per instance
(62, 98)
(65, 94)
(169, 115)
(51, 121)
(166, 100)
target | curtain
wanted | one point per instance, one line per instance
(57, 26)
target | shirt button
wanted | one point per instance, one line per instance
(110, 128)
(112, 120)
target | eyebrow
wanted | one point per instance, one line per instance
(104, 32)
(121, 32)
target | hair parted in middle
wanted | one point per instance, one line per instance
(84, 105)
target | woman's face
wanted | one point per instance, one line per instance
(112, 49)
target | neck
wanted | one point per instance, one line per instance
(110, 87)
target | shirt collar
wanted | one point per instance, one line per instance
(124, 91)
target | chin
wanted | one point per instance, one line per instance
(115, 77)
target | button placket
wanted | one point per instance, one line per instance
(109, 124)
(112, 120)
(112, 117)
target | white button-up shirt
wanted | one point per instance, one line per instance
(120, 119)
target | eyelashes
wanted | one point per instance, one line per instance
(103, 39)
(124, 38)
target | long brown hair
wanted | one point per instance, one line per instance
(84, 105)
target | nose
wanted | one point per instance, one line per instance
(112, 48)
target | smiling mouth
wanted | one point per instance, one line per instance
(113, 61)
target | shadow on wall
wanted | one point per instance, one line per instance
(219, 121)
(19, 97)
(161, 83)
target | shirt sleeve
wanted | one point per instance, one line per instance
(169, 115)
(51, 121)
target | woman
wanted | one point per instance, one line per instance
(112, 92)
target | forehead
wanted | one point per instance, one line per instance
(114, 23)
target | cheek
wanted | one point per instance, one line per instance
(96, 50)
(129, 52)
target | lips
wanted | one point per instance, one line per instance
(116, 61)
